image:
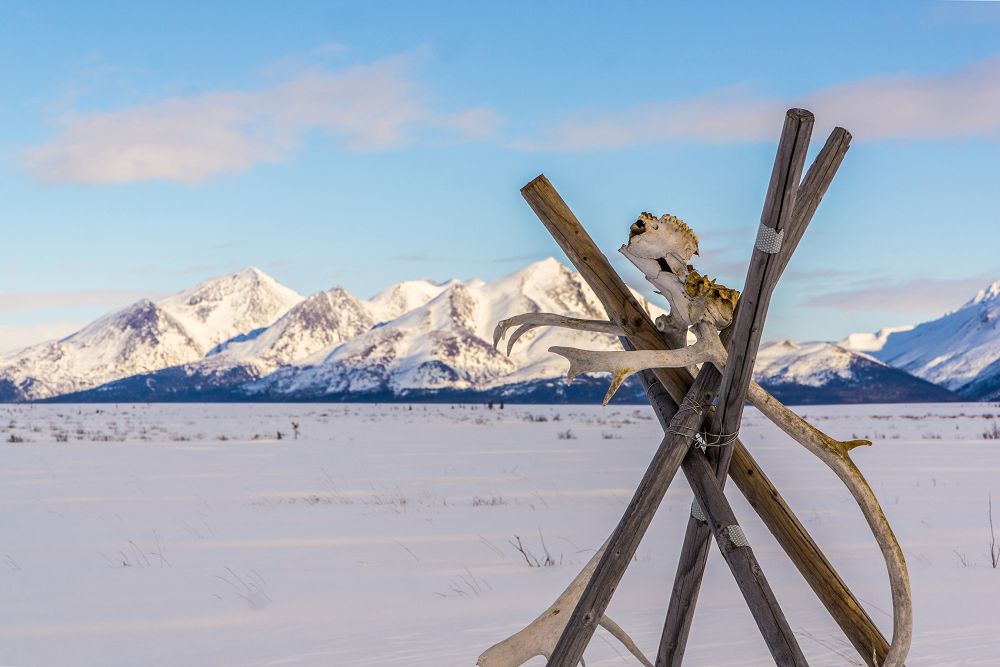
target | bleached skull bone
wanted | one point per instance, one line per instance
(661, 248)
(666, 239)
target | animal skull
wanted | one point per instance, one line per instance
(661, 248)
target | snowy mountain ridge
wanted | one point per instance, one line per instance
(246, 337)
(446, 343)
(146, 336)
(821, 372)
(959, 350)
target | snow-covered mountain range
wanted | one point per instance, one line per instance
(246, 337)
(147, 336)
(416, 339)
(960, 350)
(799, 373)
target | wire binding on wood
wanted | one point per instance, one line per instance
(719, 440)
(699, 437)
(688, 431)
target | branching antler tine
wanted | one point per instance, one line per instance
(521, 330)
(498, 333)
(539, 637)
(621, 363)
(835, 454)
(619, 634)
(583, 361)
(616, 381)
(528, 321)
(595, 361)
(504, 325)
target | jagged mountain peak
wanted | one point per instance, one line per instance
(244, 335)
(139, 338)
(990, 293)
(540, 272)
(247, 279)
(150, 335)
(403, 297)
(959, 350)
(446, 343)
(952, 350)
(218, 309)
(313, 325)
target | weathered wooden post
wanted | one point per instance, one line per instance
(748, 327)
(667, 386)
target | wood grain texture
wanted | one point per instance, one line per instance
(763, 273)
(749, 577)
(749, 477)
(789, 532)
(624, 541)
(745, 334)
(806, 555)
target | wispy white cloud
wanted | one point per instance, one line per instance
(960, 104)
(921, 297)
(51, 313)
(38, 301)
(18, 336)
(191, 138)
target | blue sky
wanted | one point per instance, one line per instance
(143, 149)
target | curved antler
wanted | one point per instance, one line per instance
(529, 321)
(539, 637)
(834, 453)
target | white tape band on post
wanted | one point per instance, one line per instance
(768, 240)
(736, 536)
(697, 512)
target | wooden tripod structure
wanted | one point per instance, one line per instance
(680, 400)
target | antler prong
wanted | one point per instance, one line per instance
(528, 321)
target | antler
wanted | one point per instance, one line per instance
(539, 637)
(529, 321)
(834, 453)
(621, 363)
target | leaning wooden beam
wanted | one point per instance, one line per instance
(765, 498)
(624, 541)
(748, 325)
(762, 277)
(743, 344)
(807, 556)
(636, 326)
(648, 497)
(790, 534)
(719, 516)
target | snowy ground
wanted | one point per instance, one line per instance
(192, 535)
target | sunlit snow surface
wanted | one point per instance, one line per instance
(191, 535)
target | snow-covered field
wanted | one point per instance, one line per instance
(382, 535)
